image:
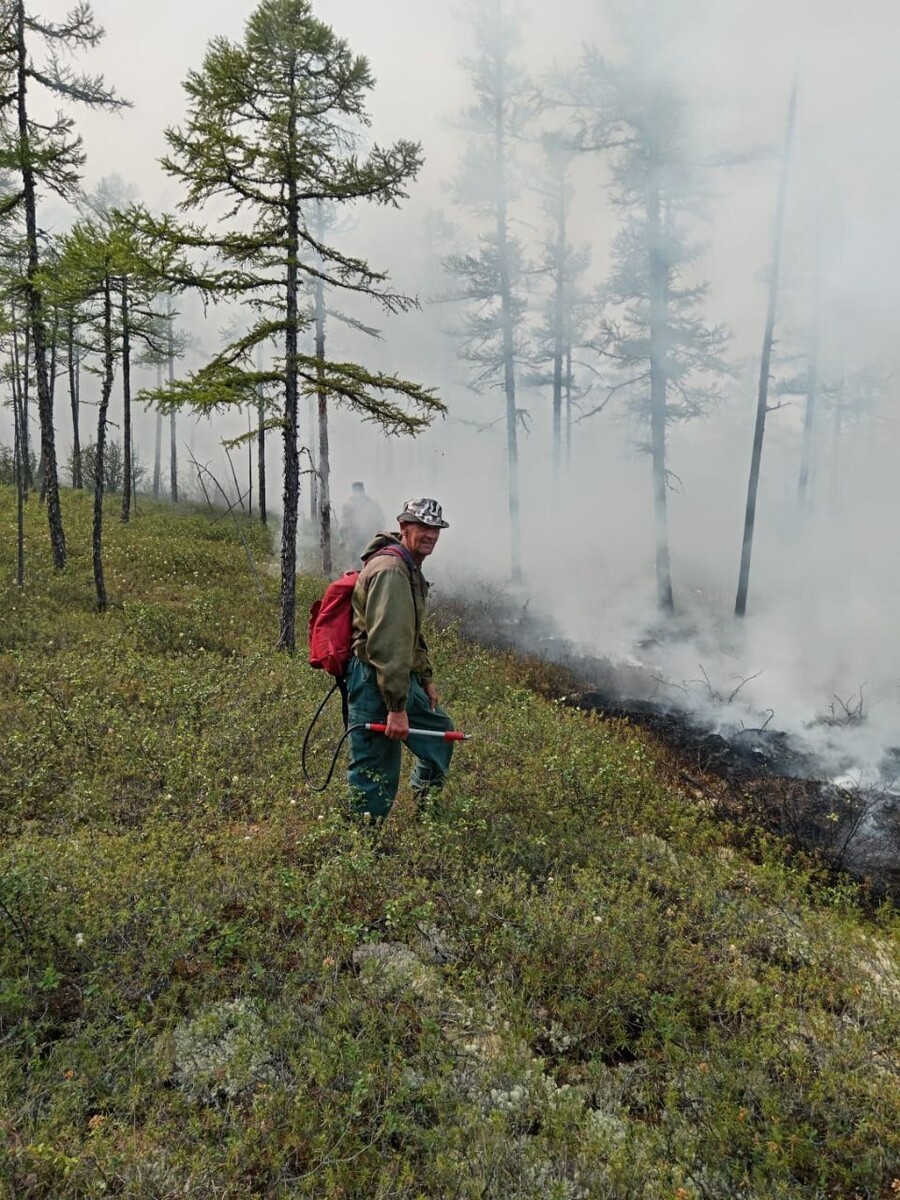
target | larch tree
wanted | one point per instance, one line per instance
(10, 375)
(135, 294)
(19, 364)
(85, 274)
(138, 327)
(106, 272)
(44, 157)
(271, 130)
(489, 279)
(164, 346)
(668, 357)
(561, 332)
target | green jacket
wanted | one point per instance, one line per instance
(388, 607)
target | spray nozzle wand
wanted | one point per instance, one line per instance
(450, 735)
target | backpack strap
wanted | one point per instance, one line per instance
(396, 552)
(411, 566)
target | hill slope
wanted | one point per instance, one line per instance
(566, 982)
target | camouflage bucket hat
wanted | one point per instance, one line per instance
(423, 512)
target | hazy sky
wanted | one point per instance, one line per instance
(735, 58)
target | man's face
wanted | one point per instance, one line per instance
(419, 539)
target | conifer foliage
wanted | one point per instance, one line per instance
(43, 157)
(489, 278)
(668, 359)
(271, 131)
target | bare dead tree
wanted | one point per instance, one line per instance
(762, 403)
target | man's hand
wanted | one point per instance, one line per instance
(397, 726)
(432, 693)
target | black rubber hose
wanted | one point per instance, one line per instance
(320, 787)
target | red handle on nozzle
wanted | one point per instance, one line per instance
(450, 735)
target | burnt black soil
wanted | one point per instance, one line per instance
(754, 777)
(745, 754)
(760, 775)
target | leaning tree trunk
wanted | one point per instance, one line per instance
(35, 306)
(324, 463)
(126, 406)
(762, 400)
(658, 288)
(99, 461)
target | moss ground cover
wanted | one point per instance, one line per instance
(563, 981)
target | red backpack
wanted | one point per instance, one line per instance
(331, 620)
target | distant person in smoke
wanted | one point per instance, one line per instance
(361, 519)
(390, 679)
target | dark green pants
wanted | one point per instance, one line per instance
(373, 771)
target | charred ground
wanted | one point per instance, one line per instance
(757, 777)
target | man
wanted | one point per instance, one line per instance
(389, 679)
(361, 518)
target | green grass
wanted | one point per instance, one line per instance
(565, 982)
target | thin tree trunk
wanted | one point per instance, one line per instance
(324, 471)
(261, 463)
(239, 498)
(173, 458)
(99, 463)
(35, 306)
(74, 404)
(26, 415)
(19, 407)
(157, 448)
(173, 440)
(509, 368)
(54, 356)
(20, 385)
(287, 635)
(261, 443)
(659, 354)
(313, 463)
(249, 463)
(20, 492)
(51, 376)
(126, 405)
(762, 401)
